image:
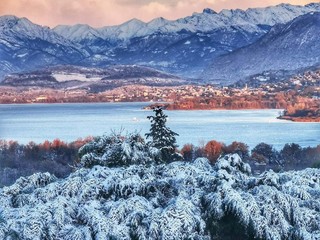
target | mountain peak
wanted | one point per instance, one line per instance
(209, 11)
(19, 24)
(158, 22)
(8, 20)
(134, 21)
(285, 5)
(313, 5)
(76, 32)
(9, 17)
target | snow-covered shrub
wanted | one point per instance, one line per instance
(117, 150)
(3, 227)
(180, 200)
(232, 163)
(29, 184)
(71, 232)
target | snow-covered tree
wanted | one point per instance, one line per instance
(180, 200)
(162, 137)
(117, 150)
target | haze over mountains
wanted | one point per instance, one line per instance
(223, 47)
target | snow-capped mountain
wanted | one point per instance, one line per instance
(25, 45)
(206, 21)
(185, 46)
(289, 47)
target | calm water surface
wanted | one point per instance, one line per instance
(39, 122)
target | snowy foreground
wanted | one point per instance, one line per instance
(174, 201)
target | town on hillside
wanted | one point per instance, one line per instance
(298, 95)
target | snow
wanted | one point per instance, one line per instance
(64, 77)
(6, 43)
(11, 25)
(274, 51)
(206, 21)
(173, 201)
(124, 31)
(77, 32)
(157, 23)
(22, 55)
(83, 44)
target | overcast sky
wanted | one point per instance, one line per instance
(99, 13)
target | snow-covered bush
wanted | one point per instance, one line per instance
(3, 229)
(117, 150)
(180, 200)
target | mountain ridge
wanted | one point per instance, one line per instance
(291, 46)
(276, 14)
(182, 47)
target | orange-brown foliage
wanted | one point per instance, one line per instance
(237, 147)
(81, 141)
(187, 151)
(57, 143)
(213, 149)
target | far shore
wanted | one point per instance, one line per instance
(206, 108)
(299, 119)
(167, 106)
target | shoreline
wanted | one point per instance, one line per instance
(300, 119)
(167, 107)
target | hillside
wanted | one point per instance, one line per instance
(287, 47)
(96, 79)
(25, 46)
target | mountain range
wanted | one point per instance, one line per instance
(223, 47)
(291, 47)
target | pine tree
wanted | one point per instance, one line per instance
(163, 138)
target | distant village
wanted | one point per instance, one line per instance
(298, 92)
(130, 93)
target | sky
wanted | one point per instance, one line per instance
(98, 13)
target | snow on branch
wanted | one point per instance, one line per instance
(166, 201)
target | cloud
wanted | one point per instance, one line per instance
(109, 12)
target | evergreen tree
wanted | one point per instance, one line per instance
(163, 138)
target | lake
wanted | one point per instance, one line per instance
(39, 122)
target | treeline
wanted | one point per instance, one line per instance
(301, 113)
(262, 157)
(245, 101)
(227, 102)
(56, 157)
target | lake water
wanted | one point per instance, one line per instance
(39, 122)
